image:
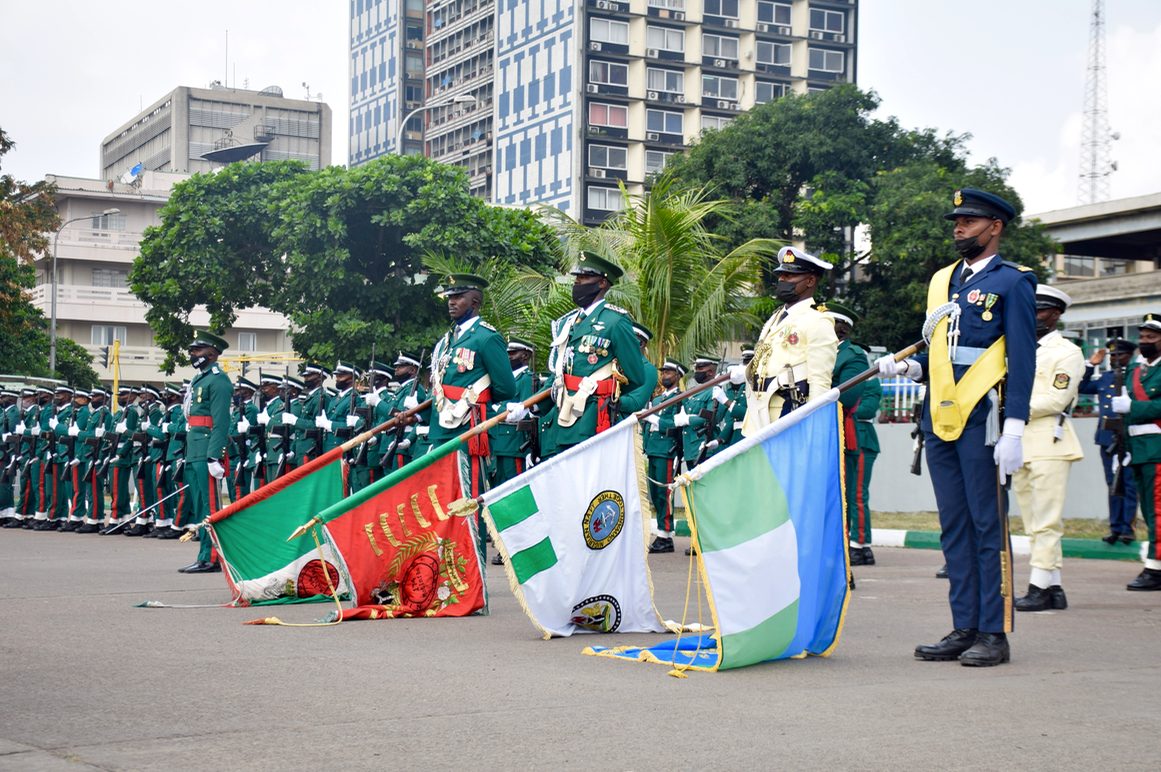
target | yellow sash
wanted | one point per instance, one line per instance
(952, 402)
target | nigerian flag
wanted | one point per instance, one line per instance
(767, 517)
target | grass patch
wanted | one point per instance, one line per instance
(929, 521)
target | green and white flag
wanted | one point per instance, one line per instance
(574, 541)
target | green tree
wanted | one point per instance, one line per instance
(23, 332)
(27, 213)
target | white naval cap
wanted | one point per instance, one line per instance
(1050, 297)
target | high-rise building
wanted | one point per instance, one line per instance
(557, 101)
(198, 129)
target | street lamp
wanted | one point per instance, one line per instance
(457, 99)
(52, 332)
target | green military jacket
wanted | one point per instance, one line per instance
(460, 359)
(306, 439)
(849, 362)
(865, 412)
(151, 424)
(592, 344)
(419, 441)
(731, 415)
(210, 392)
(1144, 385)
(30, 419)
(88, 443)
(275, 431)
(700, 428)
(661, 441)
(125, 423)
(341, 407)
(507, 439)
(62, 446)
(175, 429)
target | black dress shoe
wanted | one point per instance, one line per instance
(497, 559)
(1059, 602)
(661, 544)
(151, 533)
(44, 525)
(1037, 599)
(88, 528)
(988, 650)
(950, 647)
(941, 573)
(110, 530)
(1128, 538)
(137, 529)
(1147, 581)
(200, 567)
(690, 551)
(1112, 538)
(858, 558)
(70, 526)
(166, 532)
(14, 523)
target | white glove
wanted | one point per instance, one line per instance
(1122, 402)
(422, 430)
(4, 437)
(52, 422)
(889, 368)
(712, 445)
(372, 399)
(289, 419)
(404, 444)
(410, 401)
(1128, 459)
(1009, 452)
(322, 422)
(258, 458)
(243, 425)
(681, 418)
(74, 462)
(20, 428)
(74, 430)
(737, 374)
(352, 421)
(36, 431)
(719, 395)
(263, 418)
(99, 432)
(516, 412)
(121, 428)
(652, 420)
(217, 471)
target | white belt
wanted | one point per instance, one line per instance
(1136, 430)
(738, 425)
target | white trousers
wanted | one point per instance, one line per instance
(1040, 487)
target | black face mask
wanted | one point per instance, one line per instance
(1042, 329)
(701, 376)
(197, 362)
(786, 291)
(1148, 351)
(669, 381)
(584, 294)
(971, 248)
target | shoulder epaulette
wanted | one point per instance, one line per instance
(214, 370)
(618, 309)
(1017, 266)
(490, 327)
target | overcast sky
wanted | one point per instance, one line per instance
(1009, 72)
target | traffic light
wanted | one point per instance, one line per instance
(105, 357)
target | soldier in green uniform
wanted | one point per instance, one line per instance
(275, 390)
(9, 453)
(660, 445)
(208, 427)
(509, 441)
(126, 419)
(243, 439)
(25, 505)
(860, 442)
(1140, 404)
(174, 512)
(340, 422)
(54, 429)
(77, 458)
(380, 401)
(409, 441)
(148, 451)
(698, 415)
(731, 400)
(90, 441)
(470, 373)
(308, 439)
(599, 374)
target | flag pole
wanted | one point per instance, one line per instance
(424, 461)
(873, 370)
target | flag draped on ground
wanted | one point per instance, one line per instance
(573, 539)
(767, 517)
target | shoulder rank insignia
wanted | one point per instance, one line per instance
(490, 327)
(618, 309)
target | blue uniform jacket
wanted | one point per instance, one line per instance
(1104, 387)
(1000, 300)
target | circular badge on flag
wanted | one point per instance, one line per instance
(600, 613)
(603, 520)
(312, 580)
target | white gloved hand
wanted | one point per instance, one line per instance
(372, 399)
(52, 423)
(652, 420)
(737, 374)
(404, 444)
(99, 432)
(36, 431)
(1122, 402)
(410, 401)
(712, 445)
(719, 395)
(1128, 459)
(289, 419)
(258, 458)
(889, 368)
(263, 418)
(217, 471)
(121, 428)
(74, 462)
(322, 422)
(20, 428)
(352, 421)
(516, 412)
(243, 427)
(422, 430)
(1009, 452)
(4, 437)
(74, 430)
(681, 418)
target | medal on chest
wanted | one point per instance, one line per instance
(595, 346)
(989, 301)
(464, 359)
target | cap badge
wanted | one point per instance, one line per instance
(958, 200)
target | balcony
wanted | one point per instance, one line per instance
(120, 306)
(142, 364)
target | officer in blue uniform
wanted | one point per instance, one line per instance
(979, 369)
(1110, 437)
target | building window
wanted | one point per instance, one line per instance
(714, 122)
(608, 31)
(413, 66)
(247, 341)
(601, 114)
(655, 161)
(607, 157)
(727, 8)
(768, 92)
(609, 73)
(673, 5)
(827, 21)
(605, 199)
(664, 122)
(105, 334)
(827, 61)
(717, 87)
(665, 39)
(108, 222)
(774, 53)
(774, 13)
(666, 80)
(716, 45)
(103, 277)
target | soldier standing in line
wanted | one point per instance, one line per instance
(307, 442)
(78, 458)
(660, 434)
(243, 416)
(92, 436)
(1140, 403)
(410, 439)
(731, 399)
(148, 453)
(26, 491)
(10, 453)
(125, 423)
(42, 432)
(339, 422)
(380, 401)
(1110, 438)
(509, 440)
(55, 429)
(173, 514)
(208, 419)
(269, 418)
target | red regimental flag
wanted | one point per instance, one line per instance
(407, 554)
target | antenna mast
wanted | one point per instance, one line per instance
(1095, 137)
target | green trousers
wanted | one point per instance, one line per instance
(506, 467)
(858, 495)
(660, 468)
(203, 501)
(1147, 495)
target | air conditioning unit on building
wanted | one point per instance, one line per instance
(679, 15)
(731, 22)
(599, 173)
(651, 95)
(723, 104)
(594, 46)
(783, 30)
(840, 38)
(679, 98)
(719, 62)
(596, 130)
(652, 136)
(605, 5)
(816, 35)
(763, 27)
(651, 53)
(593, 88)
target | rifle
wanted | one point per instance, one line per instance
(531, 425)
(283, 429)
(1116, 425)
(917, 441)
(710, 416)
(401, 428)
(359, 454)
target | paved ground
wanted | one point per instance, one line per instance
(88, 681)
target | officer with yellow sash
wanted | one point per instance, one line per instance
(979, 367)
